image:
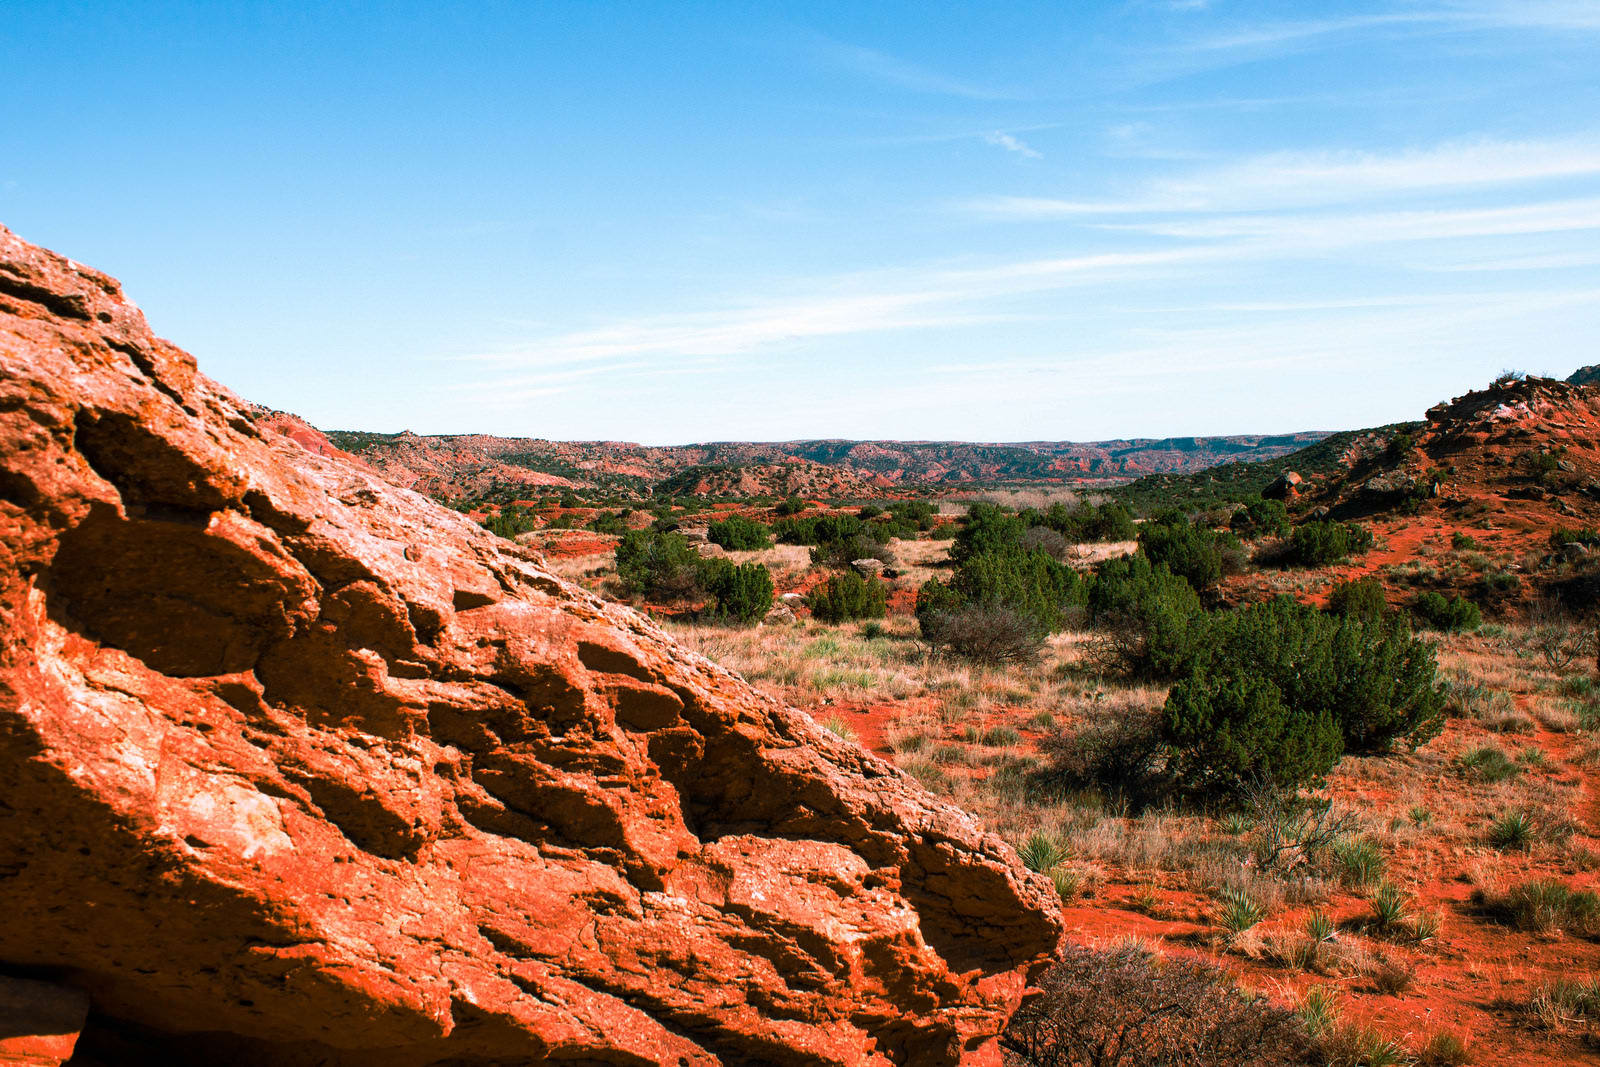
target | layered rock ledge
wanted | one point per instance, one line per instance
(298, 768)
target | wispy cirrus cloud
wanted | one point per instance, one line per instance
(903, 300)
(1448, 17)
(1333, 230)
(1526, 14)
(1288, 179)
(1001, 139)
(903, 74)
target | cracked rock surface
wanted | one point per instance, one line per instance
(297, 767)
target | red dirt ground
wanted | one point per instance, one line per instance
(1468, 981)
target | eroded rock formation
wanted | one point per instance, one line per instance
(299, 768)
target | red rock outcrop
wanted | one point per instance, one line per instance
(299, 768)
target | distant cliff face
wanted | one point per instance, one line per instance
(299, 768)
(462, 466)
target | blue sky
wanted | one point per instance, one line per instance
(677, 221)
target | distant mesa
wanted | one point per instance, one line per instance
(461, 466)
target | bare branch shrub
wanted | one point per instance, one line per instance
(1559, 635)
(1125, 1007)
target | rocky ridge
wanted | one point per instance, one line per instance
(298, 768)
(1531, 445)
(455, 466)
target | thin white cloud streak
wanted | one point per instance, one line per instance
(1549, 261)
(1445, 18)
(1530, 14)
(1345, 229)
(954, 297)
(1004, 140)
(891, 70)
(923, 305)
(1284, 33)
(1288, 179)
(1329, 339)
(950, 297)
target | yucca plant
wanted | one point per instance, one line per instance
(1040, 852)
(1240, 911)
(1319, 1010)
(1490, 764)
(1320, 927)
(1236, 823)
(1513, 830)
(1360, 862)
(1376, 1050)
(1068, 882)
(1389, 907)
(1425, 927)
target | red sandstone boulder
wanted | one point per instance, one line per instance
(298, 768)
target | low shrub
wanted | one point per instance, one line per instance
(821, 529)
(742, 593)
(1372, 678)
(1119, 756)
(739, 534)
(1495, 587)
(1260, 518)
(1448, 616)
(905, 518)
(1086, 522)
(1006, 595)
(1587, 536)
(1230, 732)
(609, 522)
(1196, 553)
(1319, 543)
(659, 564)
(986, 528)
(985, 631)
(1146, 612)
(848, 596)
(1360, 598)
(1044, 540)
(845, 550)
(509, 522)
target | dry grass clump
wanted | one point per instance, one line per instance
(1444, 1049)
(1544, 906)
(1566, 1002)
